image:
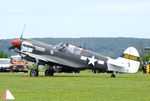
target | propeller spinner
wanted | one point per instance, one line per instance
(15, 44)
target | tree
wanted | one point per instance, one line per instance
(146, 57)
(3, 55)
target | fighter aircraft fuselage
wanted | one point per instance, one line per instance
(70, 55)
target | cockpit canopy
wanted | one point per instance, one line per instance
(68, 48)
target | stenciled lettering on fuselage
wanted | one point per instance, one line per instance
(28, 47)
(39, 48)
(92, 61)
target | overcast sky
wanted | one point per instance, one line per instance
(75, 18)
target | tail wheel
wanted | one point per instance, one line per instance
(113, 75)
(49, 72)
(34, 73)
(77, 71)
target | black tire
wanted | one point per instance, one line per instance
(34, 73)
(49, 72)
(113, 75)
(77, 71)
(94, 71)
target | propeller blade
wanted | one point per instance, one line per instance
(11, 48)
(23, 31)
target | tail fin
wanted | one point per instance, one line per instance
(128, 62)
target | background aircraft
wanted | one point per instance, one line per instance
(71, 57)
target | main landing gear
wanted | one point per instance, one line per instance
(48, 72)
(35, 72)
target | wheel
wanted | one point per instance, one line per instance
(94, 71)
(34, 73)
(49, 72)
(77, 71)
(113, 75)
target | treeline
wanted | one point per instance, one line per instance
(3, 54)
(107, 46)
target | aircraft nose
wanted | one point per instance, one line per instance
(16, 43)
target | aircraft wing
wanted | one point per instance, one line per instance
(52, 59)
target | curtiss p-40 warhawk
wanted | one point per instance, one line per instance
(71, 57)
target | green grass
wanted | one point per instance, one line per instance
(77, 87)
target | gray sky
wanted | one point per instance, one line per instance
(75, 18)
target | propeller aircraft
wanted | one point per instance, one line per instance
(73, 58)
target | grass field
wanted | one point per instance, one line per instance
(77, 87)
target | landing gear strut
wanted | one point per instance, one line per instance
(35, 72)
